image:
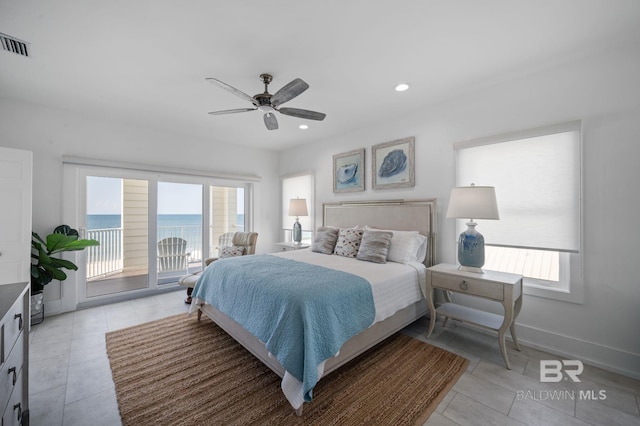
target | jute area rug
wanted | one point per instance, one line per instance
(181, 371)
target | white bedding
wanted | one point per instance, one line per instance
(394, 285)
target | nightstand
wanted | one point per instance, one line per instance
(497, 286)
(288, 246)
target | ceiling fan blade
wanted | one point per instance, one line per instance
(303, 113)
(231, 89)
(270, 121)
(288, 92)
(232, 111)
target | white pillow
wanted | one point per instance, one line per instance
(402, 246)
(420, 246)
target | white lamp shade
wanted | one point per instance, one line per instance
(298, 207)
(473, 202)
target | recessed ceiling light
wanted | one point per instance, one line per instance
(402, 87)
(303, 126)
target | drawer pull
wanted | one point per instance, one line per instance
(15, 376)
(19, 318)
(19, 408)
(464, 285)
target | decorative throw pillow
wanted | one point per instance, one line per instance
(348, 242)
(401, 248)
(374, 246)
(325, 240)
(231, 251)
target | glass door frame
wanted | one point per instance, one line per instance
(73, 290)
(75, 212)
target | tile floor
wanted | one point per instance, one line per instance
(70, 377)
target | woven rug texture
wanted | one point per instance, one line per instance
(181, 371)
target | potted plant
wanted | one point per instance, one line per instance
(45, 267)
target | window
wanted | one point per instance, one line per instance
(537, 176)
(297, 186)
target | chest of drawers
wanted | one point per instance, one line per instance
(14, 354)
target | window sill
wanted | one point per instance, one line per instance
(575, 295)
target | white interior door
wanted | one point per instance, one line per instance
(15, 215)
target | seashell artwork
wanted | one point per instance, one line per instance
(347, 173)
(393, 163)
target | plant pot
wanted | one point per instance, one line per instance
(37, 308)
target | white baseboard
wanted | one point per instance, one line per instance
(607, 358)
(52, 307)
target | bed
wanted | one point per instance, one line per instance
(322, 348)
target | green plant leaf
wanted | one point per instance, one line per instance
(57, 243)
(66, 230)
(79, 245)
(37, 237)
(43, 257)
(46, 268)
(62, 263)
(57, 274)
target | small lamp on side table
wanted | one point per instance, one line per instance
(297, 208)
(472, 202)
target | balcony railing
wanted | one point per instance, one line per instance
(107, 258)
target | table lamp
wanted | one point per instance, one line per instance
(472, 202)
(297, 208)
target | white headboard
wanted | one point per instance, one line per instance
(401, 215)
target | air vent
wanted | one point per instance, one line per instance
(14, 45)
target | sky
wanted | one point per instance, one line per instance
(104, 197)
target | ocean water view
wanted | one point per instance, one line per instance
(108, 221)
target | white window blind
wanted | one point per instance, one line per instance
(300, 186)
(537, 178)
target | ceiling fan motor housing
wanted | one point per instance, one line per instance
(263, 98)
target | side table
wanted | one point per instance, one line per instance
(498, 286)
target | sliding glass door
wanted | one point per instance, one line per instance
(117, 211)
(152, 228)
(179, 236)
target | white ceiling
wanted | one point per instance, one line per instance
(145, 61)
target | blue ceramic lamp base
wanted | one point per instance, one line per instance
(297, 232)
(471, 249)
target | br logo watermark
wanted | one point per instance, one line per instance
(554, 371)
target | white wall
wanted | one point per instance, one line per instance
(51, 133)
(603, 91)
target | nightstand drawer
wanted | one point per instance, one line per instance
(491, 290)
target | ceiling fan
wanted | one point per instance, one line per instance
(269, 103)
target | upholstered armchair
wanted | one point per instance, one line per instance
(229, 245)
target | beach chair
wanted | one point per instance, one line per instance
(173, 255)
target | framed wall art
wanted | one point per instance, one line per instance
(348, 171)
(393, 164)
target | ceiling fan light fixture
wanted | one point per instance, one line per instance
(303, 126)
(402, 87)
(266, 109)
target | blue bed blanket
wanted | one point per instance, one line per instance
(303, 313)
